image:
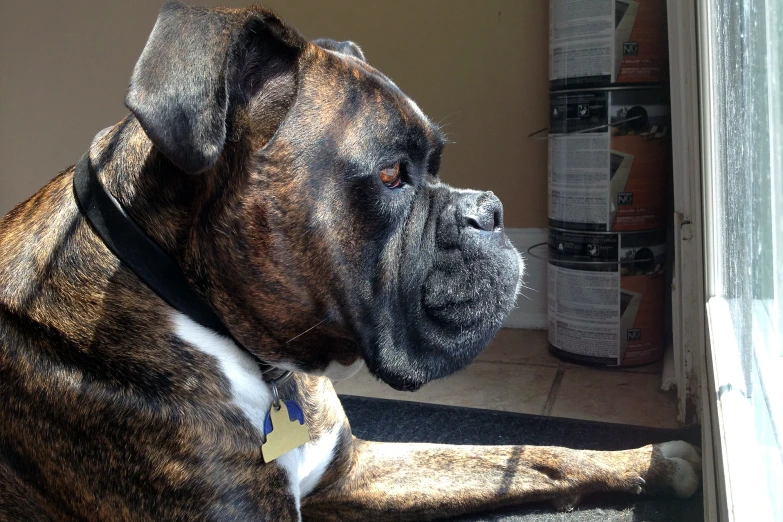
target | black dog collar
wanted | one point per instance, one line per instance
(145, 258)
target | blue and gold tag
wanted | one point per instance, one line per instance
(284, 430)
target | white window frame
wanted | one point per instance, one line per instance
(691, 359)
(707, 365)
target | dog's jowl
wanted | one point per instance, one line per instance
(268, 214)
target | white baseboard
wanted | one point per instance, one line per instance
(531, 308)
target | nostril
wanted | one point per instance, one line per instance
(484, 213)
(472, 222)
(498, 219)
(486, 221)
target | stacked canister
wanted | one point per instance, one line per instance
(609, 179)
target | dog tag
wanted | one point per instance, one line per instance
(285, 430)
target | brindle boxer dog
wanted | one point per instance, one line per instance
(293, 185)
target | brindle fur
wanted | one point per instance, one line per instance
(105, 414)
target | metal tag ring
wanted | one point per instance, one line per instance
(275, 395)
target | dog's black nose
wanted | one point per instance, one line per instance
(486, 214)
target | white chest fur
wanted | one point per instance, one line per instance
(253, 396)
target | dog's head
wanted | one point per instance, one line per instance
(320, 201)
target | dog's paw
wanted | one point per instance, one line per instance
(566, 502)
(635, 485)
(678, 467)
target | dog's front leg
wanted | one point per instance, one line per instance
(388, 481)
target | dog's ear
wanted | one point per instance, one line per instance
(347, 47)
(183, 84)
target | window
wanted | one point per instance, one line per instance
(742, 135)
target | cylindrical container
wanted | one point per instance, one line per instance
(606, 296)
(609, 159)
(597, 43)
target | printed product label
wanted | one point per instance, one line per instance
(601, 42)
(606, 295)
(609, 159)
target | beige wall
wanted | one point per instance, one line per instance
(479, 66)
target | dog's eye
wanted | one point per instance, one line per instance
(390, 176)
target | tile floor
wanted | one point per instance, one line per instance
(517, 373)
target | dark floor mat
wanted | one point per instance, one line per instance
(401, 421)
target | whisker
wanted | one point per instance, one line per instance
(447, 117)
(301, 334)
